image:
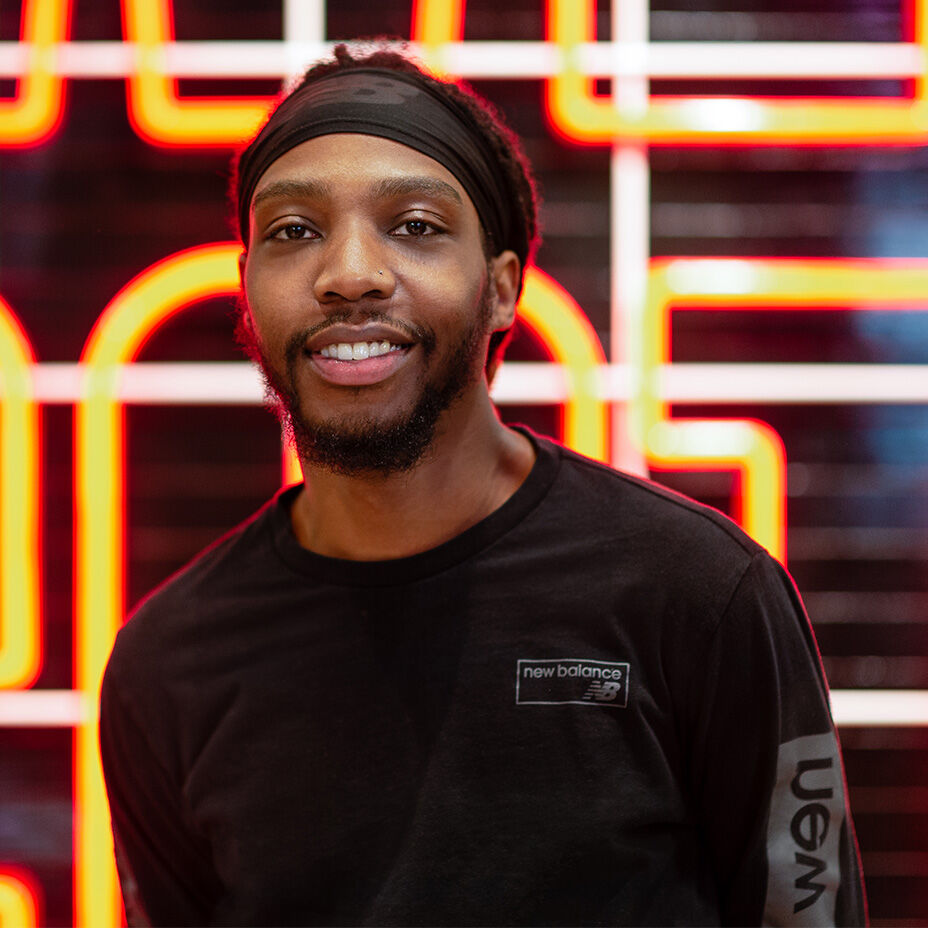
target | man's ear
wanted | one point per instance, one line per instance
(244, 323)
(505, 271)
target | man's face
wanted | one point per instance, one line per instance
(369, 300)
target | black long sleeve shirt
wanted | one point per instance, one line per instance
(601, 705)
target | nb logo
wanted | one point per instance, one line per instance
(602, 692)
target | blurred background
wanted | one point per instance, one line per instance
(744, 182)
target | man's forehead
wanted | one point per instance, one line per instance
(379, 167)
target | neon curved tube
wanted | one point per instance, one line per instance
(19, 900)
(156, 111)
(127, 322)
(20, 517)
(549, 311)
(33, 115)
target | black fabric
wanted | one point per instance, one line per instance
(396, 106)
(294, 739)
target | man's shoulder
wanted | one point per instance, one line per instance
(671, 556)
(621, 504)
(218, 579)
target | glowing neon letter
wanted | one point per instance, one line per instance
(35, 112)
(20, 608)
(120, 332)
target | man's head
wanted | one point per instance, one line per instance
(404, 171)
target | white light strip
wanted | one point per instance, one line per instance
(753, 59)
(523, 382)
(44, 708)
(795, 383)
(67, 708)
(629, 226)
(713, 60)
(880, 707)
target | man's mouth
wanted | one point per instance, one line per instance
(359, 351)
(359, 355)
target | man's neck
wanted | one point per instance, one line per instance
(470, 469)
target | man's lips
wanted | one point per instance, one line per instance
(370, 333)
(356, 356)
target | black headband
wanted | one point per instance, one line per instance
(403, 108)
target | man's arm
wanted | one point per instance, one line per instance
(767, 769)
(164, 867)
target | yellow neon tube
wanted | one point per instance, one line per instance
(20, 583)
(580, 116)
(19, 902)
(156, 112)
(122, 329)
(552, 313)
(435, 22)
(35, 112)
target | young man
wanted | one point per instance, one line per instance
(461, 675)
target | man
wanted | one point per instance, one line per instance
(461, 675)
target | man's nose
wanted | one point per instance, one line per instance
(354, 268)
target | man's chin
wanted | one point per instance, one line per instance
(369, 447)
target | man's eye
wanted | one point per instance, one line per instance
(293, 231)
(416, 227)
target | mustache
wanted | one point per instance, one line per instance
(417, 333)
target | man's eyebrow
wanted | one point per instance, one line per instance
(402, 186)
(388, 187)
(280, 189)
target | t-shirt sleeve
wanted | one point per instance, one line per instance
(767, 769)
(164, 866)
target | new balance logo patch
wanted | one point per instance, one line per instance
(564, 680)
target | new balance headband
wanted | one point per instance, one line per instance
(403, 108)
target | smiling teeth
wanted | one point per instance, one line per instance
(358, 351)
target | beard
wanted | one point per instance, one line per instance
(356, 445)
